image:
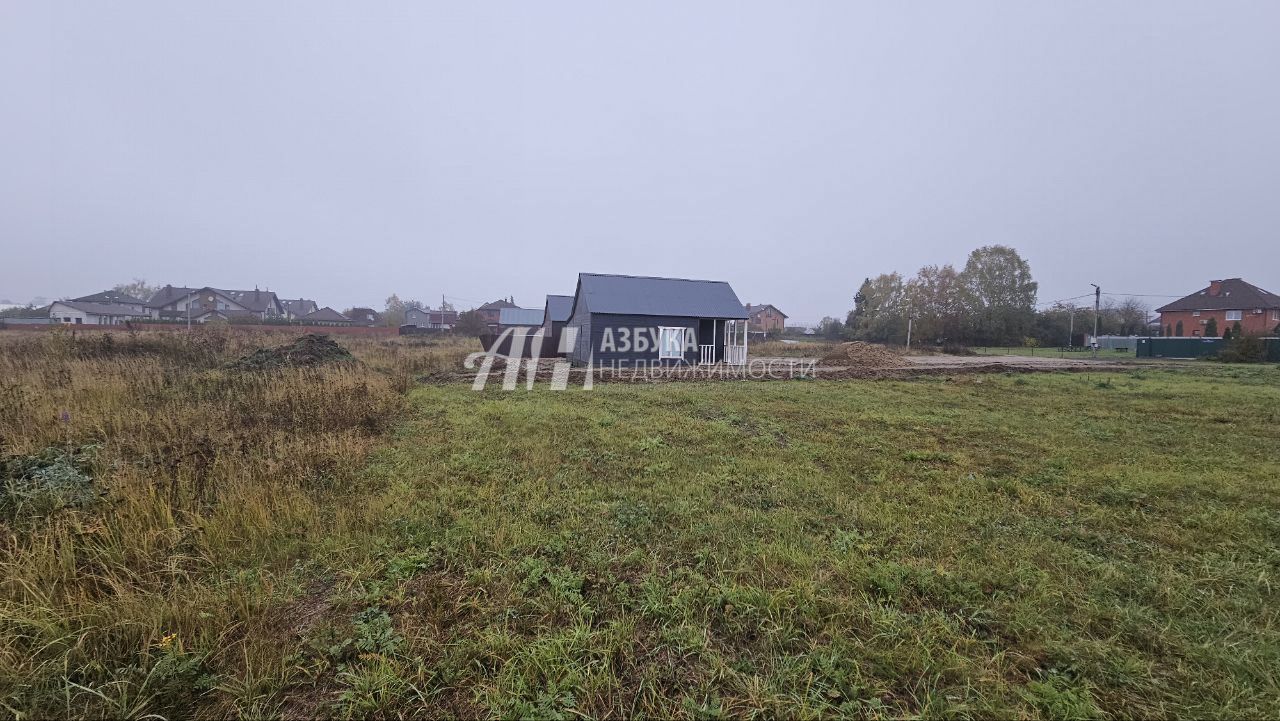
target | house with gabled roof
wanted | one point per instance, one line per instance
(177, 303)
(115, 297)
(1225, 302)
(295, 308)
(427, 318)
(627, 320)
(491, 311)
(363, 316)
(325, 316)
(72, 312)
(765, 318)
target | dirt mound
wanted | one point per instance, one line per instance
(309, 350)
(861, 355)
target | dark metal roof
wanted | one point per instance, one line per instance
(110, 296)
(559, 308)
(639, 295)
(255, 300)
(520, 316)
(326, 314)
(299, 306)
(758, 309)
(1233, 294)
(168, 294)
(364, 316)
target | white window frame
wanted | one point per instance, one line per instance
(1195, 313)
(662, 345)
(1275, 314)
(1239, 315)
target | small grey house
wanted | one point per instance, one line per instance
(634, 320)
(555, 314)
(427, 318)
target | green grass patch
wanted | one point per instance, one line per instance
(1016, 546)
(1047, 545)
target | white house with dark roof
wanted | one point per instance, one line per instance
(116, 298)
(74, 312)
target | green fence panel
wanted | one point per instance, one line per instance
(1195, 347)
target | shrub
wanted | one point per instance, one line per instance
(1243, 349)
(37, 486)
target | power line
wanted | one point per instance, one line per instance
(1064, 300)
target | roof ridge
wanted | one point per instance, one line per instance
(652, 277)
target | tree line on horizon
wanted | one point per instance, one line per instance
(991, 301)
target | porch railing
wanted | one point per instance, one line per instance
(706, 355)
(735, 355)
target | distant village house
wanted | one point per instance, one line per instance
(765, 318)
(1225, 303)
(432, 319)
(490, 312)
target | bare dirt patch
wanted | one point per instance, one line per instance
(862, 355)
(856, 360)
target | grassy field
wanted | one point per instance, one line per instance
(1052, 545)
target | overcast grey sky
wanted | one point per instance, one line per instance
(343, 150)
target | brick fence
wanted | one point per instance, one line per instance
(331, 330)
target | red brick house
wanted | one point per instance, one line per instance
(1227, 302)
(765, 319)
(493, 309)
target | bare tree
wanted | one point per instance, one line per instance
(139, 288)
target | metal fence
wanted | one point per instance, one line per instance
(1196, 347)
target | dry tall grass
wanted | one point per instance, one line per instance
(138, 560)
(799, 349)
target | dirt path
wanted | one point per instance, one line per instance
(761, 369)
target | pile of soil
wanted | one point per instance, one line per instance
(861, 355)
(311, 349)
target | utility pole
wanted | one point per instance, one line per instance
(1097, 304)
(909, 318)
(1071, 327)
